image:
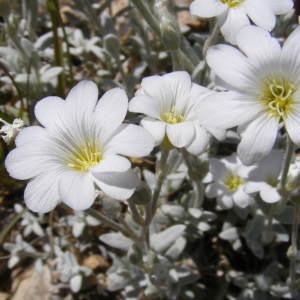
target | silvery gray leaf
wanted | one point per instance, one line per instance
(176, 212)
(116, 240)
(230, 234)
(75, 283)
(176, 249)
(116, 282)
(163, 240)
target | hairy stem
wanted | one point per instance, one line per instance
(151, 207)
(8, 227)
(162, 173)
(196, 181)
(112, 224)
(285, 167)
(212, 39)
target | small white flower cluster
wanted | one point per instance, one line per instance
(8, 131)
(232, 15)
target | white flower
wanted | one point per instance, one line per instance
(228, 178)
(81, 143)
(265, 78)
(264, 177)
(9, 131)
(82, 45)
(171, 103)
(234, 14)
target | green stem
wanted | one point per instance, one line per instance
(53, 8)
(135, 214)
(176, 60)
(7, 73)
(123, 77)
(162, 173)
(99, 216)
(150, 209)
(196, 181)
(285, 167)
(126, 230)
(148, 15)
(8, 227)
(211, 40)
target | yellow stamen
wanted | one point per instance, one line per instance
(232, 3)
(278, 96)
(85, 157)
(172, 116)
(232, 182)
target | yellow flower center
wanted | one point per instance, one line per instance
(85, 157)
(232, 3)
(232, 181)
(172, 116)
(278, 96)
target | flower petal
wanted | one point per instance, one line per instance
(83, 97)
(254, 187)
(235, 20)
(31, 135)
(227, 109)
(256, 42)
(214, 189)
(77, 190)
(281, 7)
(26, 162)
(50, 111)
(41, 193)
(112, 163)
(291, 53)
(207, 8)
(270, 195)
(261, 14)
(258, 139)
(145, 105)
(153, 87)
(156, 128)
(181, 134)
(292, 125)
(179, 85)
(119, 186)
(218, 169)
(201, 141)
(131, 140)
(230, 65)
(111, 110)
(241, 199)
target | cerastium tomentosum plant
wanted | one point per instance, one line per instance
(195, 170)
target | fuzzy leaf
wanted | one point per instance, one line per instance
(163, 240)
(116, 240)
